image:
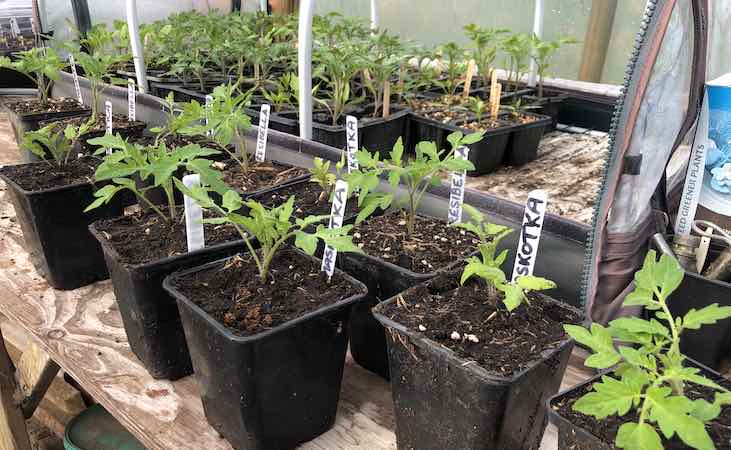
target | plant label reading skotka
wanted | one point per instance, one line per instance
(131, 100)
(75, 76)
(209, 100)
(261, 137)
(456, 191)
(530, 234)
(340, 198)
(108, 117)
(351, 139)
(193, 216)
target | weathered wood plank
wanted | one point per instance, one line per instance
(13, 433)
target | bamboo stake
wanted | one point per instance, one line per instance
(468, 79)
(386, 99)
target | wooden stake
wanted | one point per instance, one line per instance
(468, 79)
(386, 99)
(495, 101)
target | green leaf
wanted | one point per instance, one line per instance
(637, 325)
(672, 414)
(708, 315)
(634, 436)
(514, 295)
(232, 201)
(609, 397)
(473, 138)
(307, 242)
(490, 274)
(705, 411)
(533, 283)
(599, 339)
(668, 274)
(397, 152)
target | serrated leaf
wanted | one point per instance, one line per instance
(599, 339)
(672, 414)
(708, 315)
(307, 242)
(637, 325)
(232, 201)
(514, 295)
(533, 283)
(473, 138)
(609, 396)
(705, 411)
(634, 436)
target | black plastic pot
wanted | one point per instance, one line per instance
(424, 129)
(12, 79)
(383, 280)
(443, 401)
(711, 343)
(377, 135)
(488, 154)
(150, 316)
(56, 234)
(574, 437)
(523, 145)
(275, 389)
(588, 111)
(22, 123)
(549, 105)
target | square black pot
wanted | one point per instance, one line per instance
(56, 234)
(275, 389)
(24, 122)
(523, 145)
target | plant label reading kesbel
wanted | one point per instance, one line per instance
(193, 216)
(530, 234)
(75, 76)
(340, 198)
(351, 139)
(131, 100)
(456, 190)
(261, 137)
(108, 117)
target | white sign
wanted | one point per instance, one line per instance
(261, 138)
(14, 27)
(108, 117)
(209, 100)
(530, 234)
(694, 177)
(193, 216)
(75, 75)
(131, 100)
(456, 190)
(351, 139)
(340, 198)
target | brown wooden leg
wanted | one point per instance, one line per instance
(13, 434)
(36, 371)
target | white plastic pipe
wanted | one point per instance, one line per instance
(374, 14)
(136, 44)
(538, 31)
(263, 5)
(304, 66)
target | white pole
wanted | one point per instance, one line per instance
(263, 5)
(374, 14)
(538, 31)
(134, 39)
(304, 65)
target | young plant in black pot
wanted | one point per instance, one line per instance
(517, 49)
(143, 248)
(42, 65)
(268, 326)
(652, 397)
(527, 132)
(402, 247)
(477, 355)
(486, 44)
(49, 198)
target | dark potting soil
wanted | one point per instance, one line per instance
(144, 237)
(307, 200)
(44, 175)
(236, 297)
(518, 118)
(719, 429)
(119, 122)
(434, 245)
(259, 175)
(483, 125)
(33, 105)
(176, 140)
(506, 343)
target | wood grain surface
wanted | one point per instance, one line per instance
(82, 331)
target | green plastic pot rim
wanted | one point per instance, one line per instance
(221, 329)
(452, 357)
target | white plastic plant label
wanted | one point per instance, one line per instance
(340, 198)
(262, 136)
(14, 27)
(75, 76)
(351, 139)
(108, 120)
(694, 177)
(530, 234)
(193, 216)
(456, 190)
(209, 100)
(131, 100)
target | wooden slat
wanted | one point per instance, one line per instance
(82, 331)
(13, 434)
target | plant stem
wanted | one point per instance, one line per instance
(268, 256)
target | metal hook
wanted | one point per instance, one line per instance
(721, 236)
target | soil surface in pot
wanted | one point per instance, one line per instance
(483, 125)
(144, 237)
(307, 200)
(519, 118)
(119, 122)
(499, 341)
(16, 44)
(259, 175)
(177, 140)
(719, 429)
(33, 105)
(434, 245)
(236, 297)
(42, 175)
